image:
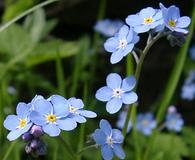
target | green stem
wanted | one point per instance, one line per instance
(87, 148)
(9, 150)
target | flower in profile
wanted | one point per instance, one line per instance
(77, 112)
(192, 52)
(121, 120)
(108, 27)
(18, 124)
(52, 115)
(117, 92)
(147, 19)
(121, 44)
(173, 21)
(146, 123)
(109, 139)
(174, 121)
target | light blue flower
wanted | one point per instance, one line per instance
(121, 44)
(173, 21)
(192, 52)
(18, 124)
(77, 112)
(109, 139)
(52, 115)
(121, 120)
(174, 121)
(145, 123)
(147, 19)
(108, 27)
(117, 92)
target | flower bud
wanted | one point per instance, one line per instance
(36, 131)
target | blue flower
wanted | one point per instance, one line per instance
(145, 123)
(192, 52)
(108, 27)
(77, 112)
(121, 120)
(52, 115)
(117, 92)
(173, 21)
(121, 44)
(18, 124)
(174, 121)
(109, 139)
(147, 19)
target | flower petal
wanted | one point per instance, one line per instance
(104, 94)
(116, 56)
(11, 122)
(37, 118)
(78, 103)
(13, 135)
(173, 13)
(107, 152)
(67, 124)
(141, 28)
(128, 83)
(51, 129)
(111, 44)
(105, 127)
(43, 106)
(183, 22)
(88, 114)
(123, 32)
(113, 80)
(117, 136)
(133, 20)
(22, 110)
(129, 98)
(78, 118)
(185, 31)
(99, 137)
(128, 49)
(147, 12)
(119, 151)
(114, 105)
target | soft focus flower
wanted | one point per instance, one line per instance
(109, 139)
(108, 27)
(121, 120)
(147, 19)
(192, 52)
(174, 121)
(173, 21)
(121, 44)
(18, 124)
(117, 92)
(52, 116)
(146, 123)
(176, 39)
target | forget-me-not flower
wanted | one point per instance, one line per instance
(147, 19)
(18, 124)
(192, 52)
(117, 92)
(174, 121)
(52, 115)
(121, 44)
(109, 139)
(108, 27)
(173, 21)
(146, 123)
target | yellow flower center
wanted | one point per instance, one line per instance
(72, 109)
(52, 118)
(172, 23)
(148, 20)
(22, 123)
(145, 122)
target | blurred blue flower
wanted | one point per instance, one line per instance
(109, 139)
(117, 92)
(121, 120)
(173, 20)
(18, 124)
(108, 27)
(147, 19)
(121, 44)
(52, 115)
(174, 121)
(192, 52)
(146, 123)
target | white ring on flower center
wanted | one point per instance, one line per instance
(72, 109)
(109, 141)
(117, 92)
(122, 43)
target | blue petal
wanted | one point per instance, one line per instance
(22, 110)
(136, 38)
(158, 15)
(14, 135)
(51, 129)
(11, 122)
(104, 94)
(129, 98)
(185, 31)
(78, 103)
(116, 56)
(99, 137)
(173, 13)
(113, 80)
(60, 105)
(114, 105)
(26, 128)
(183, 22)
(141, 28)
(88, 114)
(43, 106)
(119, 151)
(37, 118)
(128, 49)
(123, 32)
(106, 127)
(78, 118)
(67, 124)
(147, 12)
(130, 35)
(128, 83)
(107, 152)
(117, 136)
(133, 20)
(111, 44)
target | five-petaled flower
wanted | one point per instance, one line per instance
(18, 124)
(109, 139)
(117, 92)
(121, 44)
(147, 19)
(145, 123)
